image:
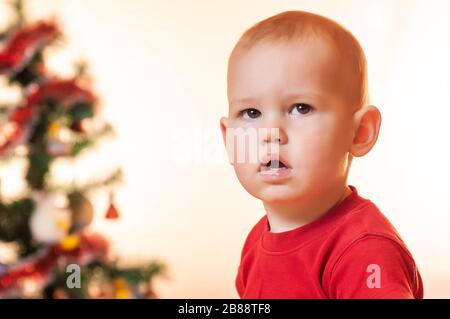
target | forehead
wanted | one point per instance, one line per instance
(308, 66)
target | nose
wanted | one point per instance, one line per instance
(272, 136)
(275, 134)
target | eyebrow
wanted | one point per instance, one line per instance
(242, 100)
(288, 96)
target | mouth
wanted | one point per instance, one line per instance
(274, 168)
(272, 164)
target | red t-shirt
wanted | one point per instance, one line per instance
(353, 251)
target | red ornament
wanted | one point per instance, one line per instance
(112, 212)
(22, 46)
(41, 264)
(77, 126)
(21, 114)
(65, 91)
(11, 138)
(94, 243)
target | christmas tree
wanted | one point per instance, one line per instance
(47, 225)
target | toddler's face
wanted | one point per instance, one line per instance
(302, 90)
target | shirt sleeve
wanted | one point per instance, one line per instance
(375, 267)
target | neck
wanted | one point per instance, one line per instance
(290, 215)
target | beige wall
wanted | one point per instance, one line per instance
(160, 68)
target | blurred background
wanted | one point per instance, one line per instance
(159, 71)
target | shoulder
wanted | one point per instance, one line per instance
(374, 247)
(364, 222)
(366, 227)
(375, 266)
(364, 238)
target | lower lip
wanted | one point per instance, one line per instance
(275, 174)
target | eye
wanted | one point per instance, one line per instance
(301, 108)
(250, 113)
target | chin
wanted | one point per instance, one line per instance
(278, 195)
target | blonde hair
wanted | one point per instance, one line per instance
(299, 25)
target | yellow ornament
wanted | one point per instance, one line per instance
(53, 129)
(122, 291)
(70, 242)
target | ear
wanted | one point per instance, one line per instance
(224, 124)
(367, 121)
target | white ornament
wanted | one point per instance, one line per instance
(51, 220)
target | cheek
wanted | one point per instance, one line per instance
(247, 177)
(323, 146)
(243, 170)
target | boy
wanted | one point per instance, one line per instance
(299, 80)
